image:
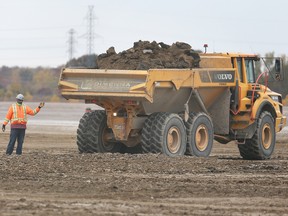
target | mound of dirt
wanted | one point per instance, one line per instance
(145, 55)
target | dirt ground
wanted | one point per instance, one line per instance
(52, 178)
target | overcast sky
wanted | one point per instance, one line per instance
(35, 32)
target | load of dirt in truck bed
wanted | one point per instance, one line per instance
(145, 55)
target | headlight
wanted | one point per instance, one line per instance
(275, 98)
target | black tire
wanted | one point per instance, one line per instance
(262, 144)
(146, 133)
(168, 135)
(100, 133)
(92, 134)
(200, 133)
(82, 134)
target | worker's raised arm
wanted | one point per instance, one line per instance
(33, 112)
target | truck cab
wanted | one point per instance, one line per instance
(254, 98)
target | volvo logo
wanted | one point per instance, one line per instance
(217, 76)
(224, 76)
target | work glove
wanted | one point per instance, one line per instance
(41, 105)
(3, 127)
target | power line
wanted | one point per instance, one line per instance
(36, 28)
(31, 48)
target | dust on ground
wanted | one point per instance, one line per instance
(52, 178)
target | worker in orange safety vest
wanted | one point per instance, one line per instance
(17, 115)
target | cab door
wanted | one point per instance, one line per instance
(241, 85)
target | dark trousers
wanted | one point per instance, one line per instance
(16, 134)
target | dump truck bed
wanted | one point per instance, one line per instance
(138, 84)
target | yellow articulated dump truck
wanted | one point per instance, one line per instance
(178, 111)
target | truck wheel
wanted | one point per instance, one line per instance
(168, 135)
(146, 133)
(199, 135)
(83, 133)
(101, 137)
(261, 145)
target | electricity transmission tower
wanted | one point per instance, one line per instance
(71, 43)
(90, 30)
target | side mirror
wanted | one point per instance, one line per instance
(277, 65)
(278, 69)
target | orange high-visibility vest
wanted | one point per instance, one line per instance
(17, 114)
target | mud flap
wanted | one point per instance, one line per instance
(219, 112)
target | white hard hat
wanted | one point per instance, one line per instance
(20, 97)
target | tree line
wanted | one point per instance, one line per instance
(36, 84)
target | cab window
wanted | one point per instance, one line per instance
(249, 64)
(239, 65)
